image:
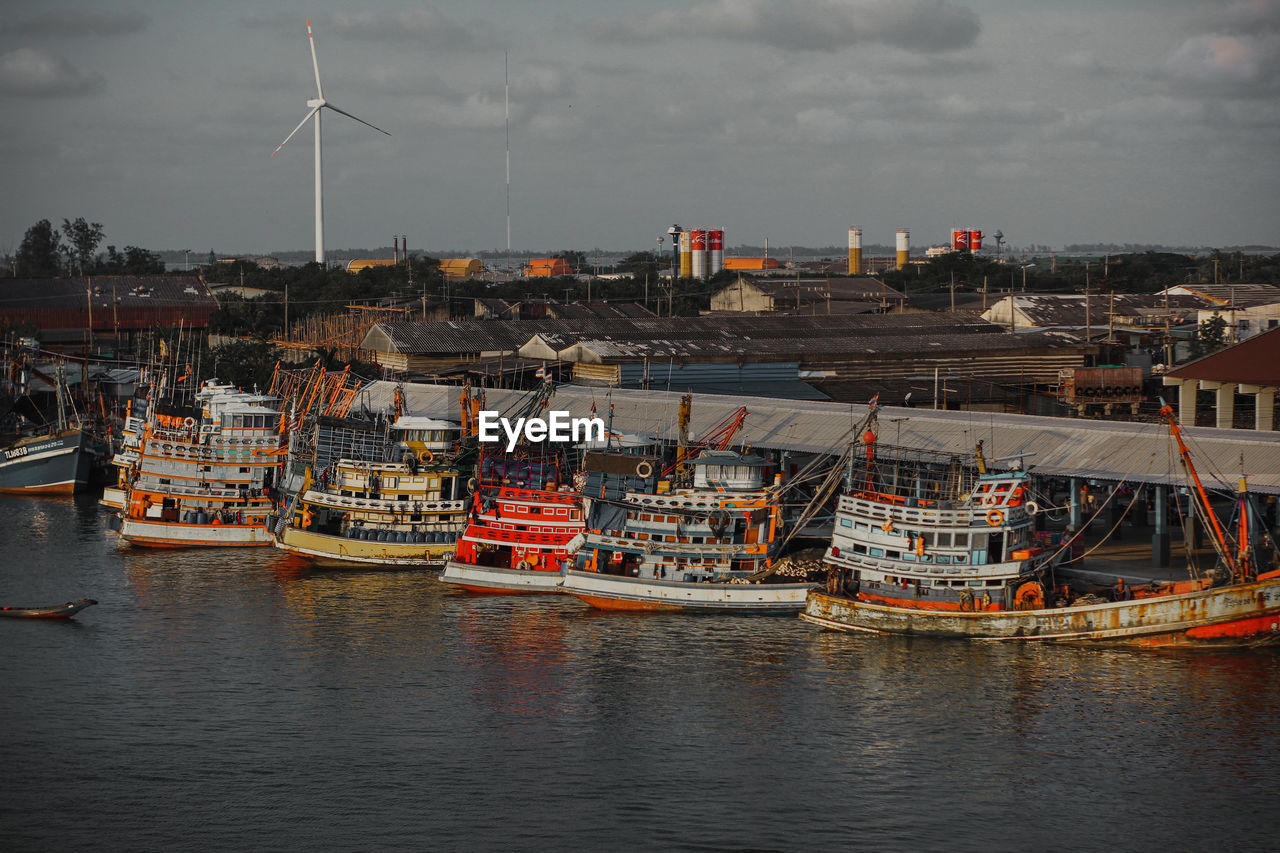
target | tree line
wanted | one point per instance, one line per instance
(72, 250)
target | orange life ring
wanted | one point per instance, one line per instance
(1029, 596)
(995, 518)
(426, 457)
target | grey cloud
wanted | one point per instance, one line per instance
(31, 73)
(421, 25)
(77, 23)
(919, 26)
(1228, 59)
(1246, 17)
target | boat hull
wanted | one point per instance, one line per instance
(60, 465)
(498, 581)
(327, 550)
(167, 534)
(57, 611)
(615, 592)
(1239, 615)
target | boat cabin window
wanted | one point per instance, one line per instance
(844, 522)
(859, 549)
(894, 555)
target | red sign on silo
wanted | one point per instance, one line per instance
(975, 241)
(959, 240)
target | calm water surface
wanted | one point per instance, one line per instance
(221, 699)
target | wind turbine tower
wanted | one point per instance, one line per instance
(317, 104)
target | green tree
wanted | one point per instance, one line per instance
(39, 252)
(133, 261)
(575, 259)
(82, 240)
(1211, 336)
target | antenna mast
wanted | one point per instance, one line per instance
(506, 112)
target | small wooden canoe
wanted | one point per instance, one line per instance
(56, 611)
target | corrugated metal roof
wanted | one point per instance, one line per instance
(657, 336)
(1103, 450)
(129, 301)
(1240, 295)
(1046, 310)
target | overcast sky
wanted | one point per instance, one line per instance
(1142, 121)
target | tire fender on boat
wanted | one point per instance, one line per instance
(1032, 507)
(644, 469)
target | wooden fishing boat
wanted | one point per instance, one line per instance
(376, 494)
(202, 475)
(968, 568)
(55, 611)
(703, 533)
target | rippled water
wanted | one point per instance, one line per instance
(238, 700)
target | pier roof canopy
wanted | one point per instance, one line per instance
(1102, 450)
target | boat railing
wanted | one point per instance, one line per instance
(329, 499)
(701, 501)
(513, 537)
(147, 484)
(533, 495)
(966, 516)
(652, 546)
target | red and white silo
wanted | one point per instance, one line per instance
(904, 238)
(960, 239)
(715, 251)
(855, 251)
(698, 246)
(686, 254)
(975, 240)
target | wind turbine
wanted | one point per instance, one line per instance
(317, 104)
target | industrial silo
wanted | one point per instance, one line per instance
(698, 247)
(855, 251)
(715, 251)
(904, 237)
(686, 254)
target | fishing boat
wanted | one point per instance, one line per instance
(58, 462)
(53, 611)
(526, 511)
(374, 494)
(204, 472)
(524, 514)
(57, 459)
(702, 534)
(921, 550)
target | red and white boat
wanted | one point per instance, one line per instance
(525, 515)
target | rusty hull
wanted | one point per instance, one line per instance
(1238, 615)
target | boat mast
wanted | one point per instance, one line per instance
(1219, 536)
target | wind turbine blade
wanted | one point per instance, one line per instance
(296, 129)
(362, 121)
(311, 39)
